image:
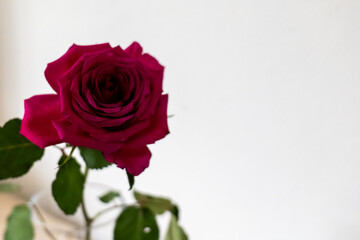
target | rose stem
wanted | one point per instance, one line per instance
(108, 209)
(61, 149)
(68, 157)
(85, 213)
(46, 229)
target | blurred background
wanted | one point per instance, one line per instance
(265, 141)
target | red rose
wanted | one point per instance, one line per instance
(106, 98)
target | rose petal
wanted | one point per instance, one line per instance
(158, 127)
(103, 57)
(134, 159)
(121, 135)
(155, 75)
(134, 49)
(37, 125)
(55, 70)
(75, 136)
(142, 132)
(99, 121)
(151, 62)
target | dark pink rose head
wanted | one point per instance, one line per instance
(107, 98)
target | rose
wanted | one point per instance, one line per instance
(106, 98)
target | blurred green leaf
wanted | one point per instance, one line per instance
(94, 158)
(19, 225)
(109, 196)
(131, 180)
(156, 204)
(17, 154)
(136, 223)
(175, 232)
(9, 187)
(175, 211)
(67, 188)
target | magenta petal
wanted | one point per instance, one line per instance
(134, 159)
(134, 49)
(40, 112)
(73, 135)
(121, 135)
(55, 70)
(151, 62)
(158, 127)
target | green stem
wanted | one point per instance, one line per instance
(41, 217)
(88, 220)
(68, 157)
(106, 210)
(62, 150)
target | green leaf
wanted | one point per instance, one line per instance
(109, 196)
(175, 211)
(13, 125)
(94, 158)
(68, 186)
(175, 232)
(9, 187)
(17, 154)
(131, 179)
(156, 204)
(19, 225)
(136, 223)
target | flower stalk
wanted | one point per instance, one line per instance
(68, 157)
(88, 220)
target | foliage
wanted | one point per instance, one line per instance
(17, 154)
(67, 188)
(19, 225)
(137, 221)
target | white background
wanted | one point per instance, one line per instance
(265, 142)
